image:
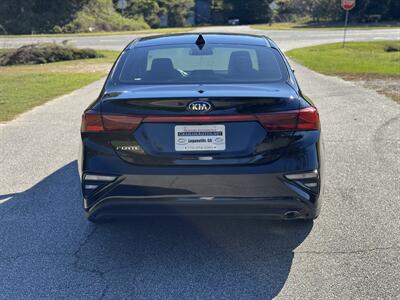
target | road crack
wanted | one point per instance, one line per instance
(81, 268)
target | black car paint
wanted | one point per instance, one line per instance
(154, 179)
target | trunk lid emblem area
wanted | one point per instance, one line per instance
(199, 106)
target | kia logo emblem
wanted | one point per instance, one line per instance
(200, 106)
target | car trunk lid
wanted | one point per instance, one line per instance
(247, 124)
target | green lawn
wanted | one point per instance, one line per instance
(355, 58)
(24, 87)
(367, 61)
(323, 26)
(104, 33)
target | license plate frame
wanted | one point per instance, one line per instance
(195, 138)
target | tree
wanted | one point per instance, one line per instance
(100, 15)
(148, 9)
(40, 16)
(249, 11)
(329, 10)
(386, 9)
(25, 16)
(177, 11)
(289, 10)
(393, 13)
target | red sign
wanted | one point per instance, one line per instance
(348, 4)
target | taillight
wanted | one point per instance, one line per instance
(279, 121)
(308, 119)
(303, 119)
(94, 122)
(121, 123)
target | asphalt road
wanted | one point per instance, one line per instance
(48, 250)
(285, 38)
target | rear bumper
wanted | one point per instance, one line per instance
(269, 195)
(281, 208)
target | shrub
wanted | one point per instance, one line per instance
(100, 15)
(45, 53)
(392, 48)
(57, 29)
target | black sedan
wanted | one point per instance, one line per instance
(209, 124)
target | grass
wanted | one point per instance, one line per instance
(104, 33)
(355, 58)
(366, 61)
(27, 86)
(324, 26)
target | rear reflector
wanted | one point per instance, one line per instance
(303, 119)
(308, 180)
(99, 177)
(313, 174)
(90, 186)
(92, 182)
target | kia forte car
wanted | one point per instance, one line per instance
(209, 124)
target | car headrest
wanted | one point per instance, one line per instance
(239, 62)
(163, 65)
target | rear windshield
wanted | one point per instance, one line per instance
(214, 63)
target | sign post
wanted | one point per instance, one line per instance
(347, 5)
